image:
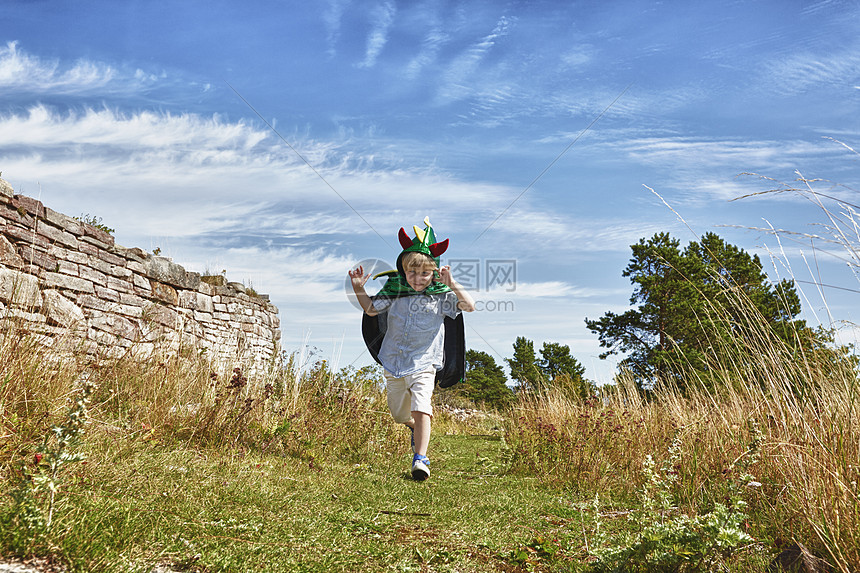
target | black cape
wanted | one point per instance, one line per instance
(454, 354)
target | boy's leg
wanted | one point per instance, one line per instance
(420, 468)
(422, 431)
(398, 398)
(410, 402)
(421, 387)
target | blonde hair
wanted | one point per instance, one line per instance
(415, 260)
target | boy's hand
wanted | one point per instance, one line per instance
(445, 276)
(358, 277)
(464, 299)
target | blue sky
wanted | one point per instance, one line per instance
(453, 110)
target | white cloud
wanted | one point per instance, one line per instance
(269, 221)
(332, 21)
(545, 289)
(165, 151)
(159, 178)
(545, 229)
(699, 170)
(383, 18)
(290, 273)
(430, 46)
(700, 152)
(23, 72)
(799, 72)
(144, 130)
(848, 333)
(459, 78)
(578, 56)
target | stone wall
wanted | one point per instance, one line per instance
(69, 283)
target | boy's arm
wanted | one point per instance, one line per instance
(358, 279)
(465, 302)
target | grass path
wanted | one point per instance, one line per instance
(200, 512)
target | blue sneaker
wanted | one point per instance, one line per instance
(420, 471)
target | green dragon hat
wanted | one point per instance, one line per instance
(425, 243)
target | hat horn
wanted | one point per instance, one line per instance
(436, 249)
(405, 241)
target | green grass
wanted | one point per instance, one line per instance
(137, 503)
(140, 502)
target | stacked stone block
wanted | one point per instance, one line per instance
(69, 283)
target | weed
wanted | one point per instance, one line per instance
(537, 551)
(669, 540)
(96, 222)
(39, 481)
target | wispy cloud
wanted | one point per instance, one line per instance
(140, 130)
(221, 178)
(798, 72)
(276, 222)
(459, 78)
(433, 42)
(695, 171)
(295, 274)
(578, 56)
(545, 289)
(742, 155)
(332, 16)
(382, 17)
(551, 232)
(23, 72)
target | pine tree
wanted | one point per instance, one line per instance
(690, 305)
(485, 384)
(524, 365)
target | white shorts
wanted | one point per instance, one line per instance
(412, 393)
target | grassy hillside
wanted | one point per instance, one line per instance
(128, 463)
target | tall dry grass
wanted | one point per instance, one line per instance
(295, 408)
(35, 386)
(809, 469)
(802, 393)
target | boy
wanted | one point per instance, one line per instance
(418, 300)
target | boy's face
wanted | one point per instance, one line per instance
(419, 278)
